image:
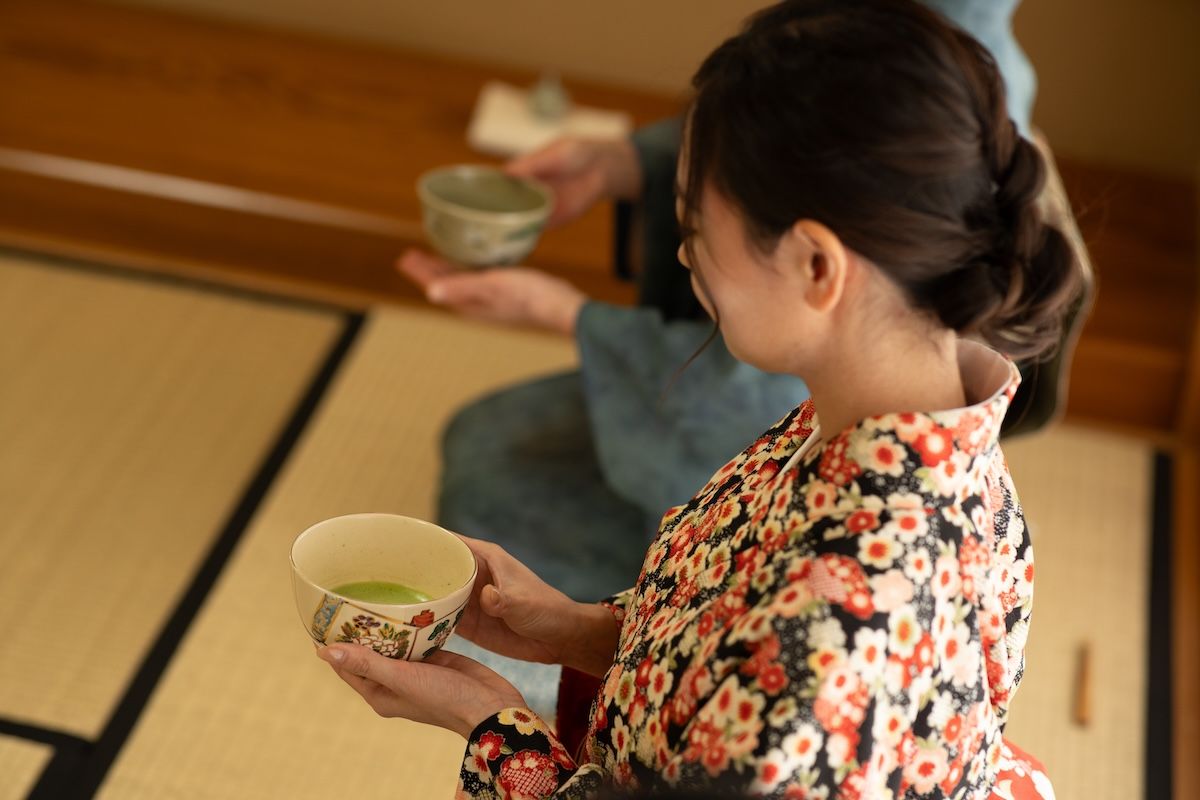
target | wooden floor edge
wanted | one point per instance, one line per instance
(1156, 437)
(226, 197)
(156, 266)
(1185, 634)
(164, 265)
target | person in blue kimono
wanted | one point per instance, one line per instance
(576, 469)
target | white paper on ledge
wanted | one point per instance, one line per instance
(503, 123)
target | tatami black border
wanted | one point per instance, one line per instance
(71, 752)
(1159, 713)
(67, 779)
(42, 735)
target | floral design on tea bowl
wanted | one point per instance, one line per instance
(337, 620)
(382, 637)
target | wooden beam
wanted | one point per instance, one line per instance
(276, 158)
(1188, 421)
(298, 257)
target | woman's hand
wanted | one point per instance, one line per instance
(510, 295)
(582, 172)
(447, 689)
(515, 613)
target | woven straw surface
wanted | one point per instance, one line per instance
(1087, 497)
(21, 762)
(246, 710)
(132, 415)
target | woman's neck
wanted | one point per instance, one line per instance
(913, 370)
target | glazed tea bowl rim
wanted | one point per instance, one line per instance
(438, 203)
(370, 607)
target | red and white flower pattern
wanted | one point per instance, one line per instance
(527, 775)
(848, 625)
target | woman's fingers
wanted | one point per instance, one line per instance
(513, 295)
(380, 698)
(423, 268)
(524, 602)
(503, 601)
(447, 689)
(361, 662)
(363, 667)
(466, 289)
(462, 664)
(356, 667)
(514, 592)
(501, 570)
(491, 601)
(545, 163)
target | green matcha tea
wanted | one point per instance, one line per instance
(381, 592)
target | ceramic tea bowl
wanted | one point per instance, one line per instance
(479, 216)
(357, 548)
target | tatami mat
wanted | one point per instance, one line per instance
(1087, 496)
(245, 709)
(21, 762)
(132, 416)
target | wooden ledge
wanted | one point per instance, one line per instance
(275, 157)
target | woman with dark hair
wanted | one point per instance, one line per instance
(841, 611)
(578, 466)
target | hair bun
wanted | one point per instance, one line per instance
(1032, 265)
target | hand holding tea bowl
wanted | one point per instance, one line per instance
(510, 611)
(378, 590)
(517, 296)
(395, 584)
(479, 217)
(574, 172)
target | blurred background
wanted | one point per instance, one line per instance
(1117, 83)
(204, 348)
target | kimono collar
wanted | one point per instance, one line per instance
(989, 381)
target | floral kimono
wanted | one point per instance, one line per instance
(835, 614)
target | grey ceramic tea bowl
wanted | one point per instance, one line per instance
(478, 216)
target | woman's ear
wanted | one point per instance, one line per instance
(817, 256)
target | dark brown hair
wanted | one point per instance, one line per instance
(888, 125)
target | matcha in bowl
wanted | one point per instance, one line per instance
(395, 584)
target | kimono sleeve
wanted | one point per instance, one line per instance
(618, 604)
(514, 754)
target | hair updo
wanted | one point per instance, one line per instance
(885, 123)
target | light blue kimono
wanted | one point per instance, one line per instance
(572, 473)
